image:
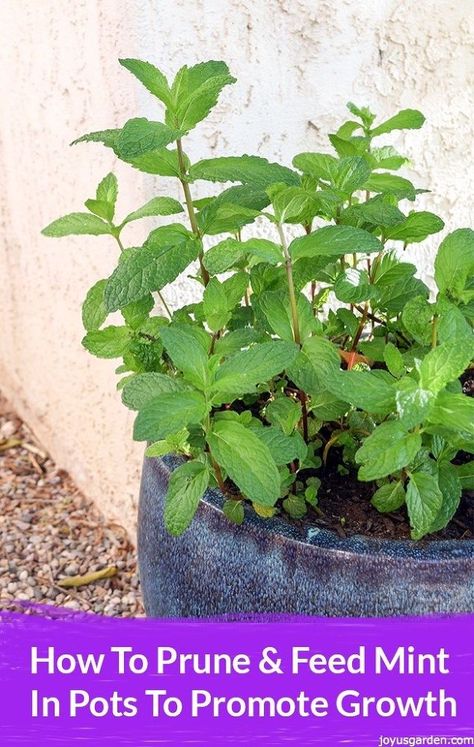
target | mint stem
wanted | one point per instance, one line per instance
(291, 286)
(190, 208)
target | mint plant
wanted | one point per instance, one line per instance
(256, 384)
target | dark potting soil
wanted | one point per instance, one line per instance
(344, 507)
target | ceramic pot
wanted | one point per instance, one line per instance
(273, 566)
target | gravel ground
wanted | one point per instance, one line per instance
(50, 533)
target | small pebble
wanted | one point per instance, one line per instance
(23, 526)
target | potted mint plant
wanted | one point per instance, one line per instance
(262, 406)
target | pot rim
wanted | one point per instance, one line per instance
(429, 551)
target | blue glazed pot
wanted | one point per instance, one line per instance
(272, 566)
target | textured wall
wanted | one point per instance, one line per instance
(297, 63)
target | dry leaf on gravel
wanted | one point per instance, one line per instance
(87, 578)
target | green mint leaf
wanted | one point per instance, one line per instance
(333, 241)
(394, 360)
(376, 212)
(168, 413)
(135, 276)
(94, 312)
(345, 146)
(275, 306)
(140, 135)
(215, 305)
(395, 285)
(77, 224)
(450, 487)
(224, 218)
(407, 119)
(295, 506)
(189, 79)
(283, 448)
(424, 500)
(136, 313)
(199, 102)
(235, 288)
(144, 355)
(152, 78)
(454, 411)
(452, 324)
(186, 487)
(352, 286)
(389, 497)
(317, 363)
(150, 268)
(143, 388)
(244, 195)
(247, 461)
(162, 162)
(347, 129)
(234, 511)
(253, 170)
(444, 364)
(175, 443)
(230, 252)
(416, 318)
(413, 404)
(373, 349)
(323, 357)
(441, 450)
(454, 264)
(351, 174)
(318, 165)
(386, 157)
(106, 197)
(234, 208)
(415, 228)
(236, 340)
(244, 370)
(156, 206)
(110, 342)
(107, 192)
(465, 473)
(284, 412)
(327, 406)
(109, 138)
(364, 390)
(223, 256)
(388, 449)
(188, 349)
(349, 321)
(302, 374)
(362, 112)
(311, 492)
(293, 204)
(306, 270)
(100, 208)
(390, 184)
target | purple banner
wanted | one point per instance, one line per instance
(94, 680)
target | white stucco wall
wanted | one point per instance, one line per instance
(297, 63)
